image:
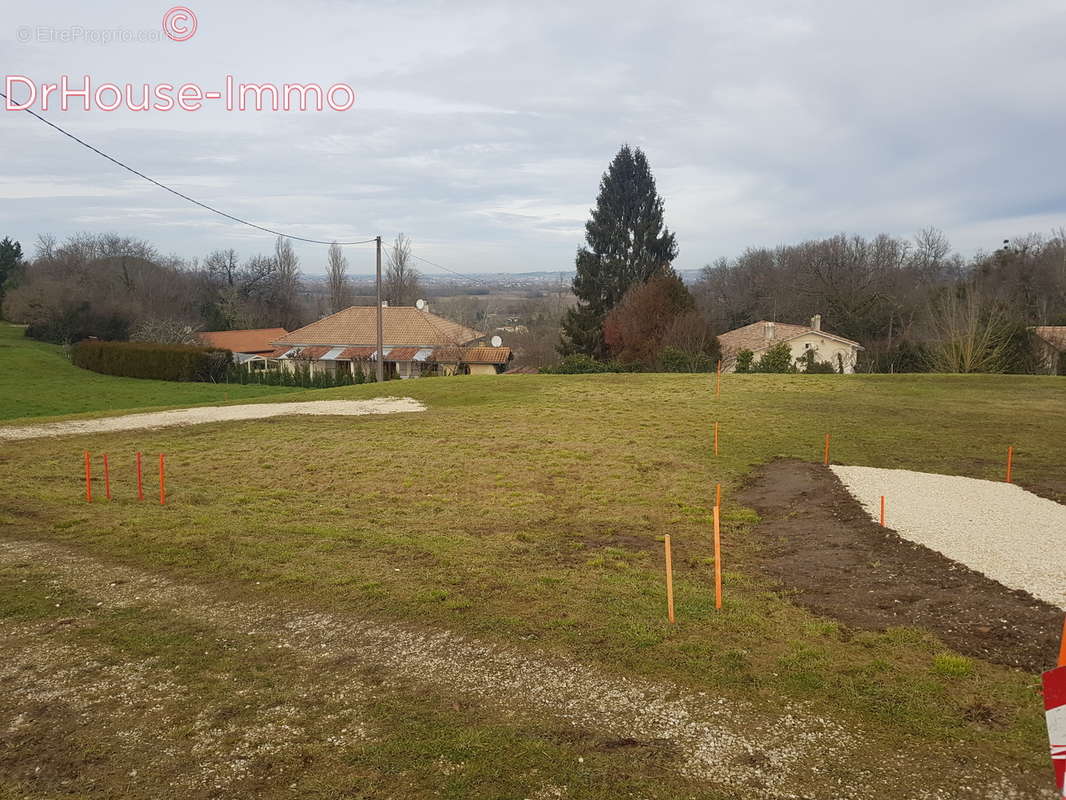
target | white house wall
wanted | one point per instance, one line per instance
(827, 349)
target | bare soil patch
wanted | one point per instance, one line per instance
(817, 540)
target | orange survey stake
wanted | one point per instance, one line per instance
(717, 559)
(669, 580)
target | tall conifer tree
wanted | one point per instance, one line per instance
(626, 243)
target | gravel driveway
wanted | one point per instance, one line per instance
(196, 416)
(996, 528)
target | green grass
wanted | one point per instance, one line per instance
(38, 381)
(531, 510)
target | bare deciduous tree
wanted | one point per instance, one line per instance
(286, 283)
(401, 285)
(340, 289)
(165, 331)
(970, 334)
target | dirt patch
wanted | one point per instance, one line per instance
(819, 542)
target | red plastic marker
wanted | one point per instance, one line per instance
(825, 457)
(882, 511)
(162, 482)
(1010, 462)
(1054, 683)
(140, 480)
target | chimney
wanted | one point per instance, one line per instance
(816, 322)
(769, 330)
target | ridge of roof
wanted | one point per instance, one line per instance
(753, 336)
(402, 326)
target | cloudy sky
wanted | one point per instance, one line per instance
(481, 129)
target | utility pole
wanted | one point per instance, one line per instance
(381, 345)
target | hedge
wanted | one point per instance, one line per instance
(300, 375)
(165, 362)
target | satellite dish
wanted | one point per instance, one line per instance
(420, 304)
(496, 341)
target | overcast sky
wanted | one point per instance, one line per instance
(482, 130)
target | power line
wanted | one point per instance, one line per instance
(452, 271)
(179, 194)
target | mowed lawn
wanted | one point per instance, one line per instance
(530, 510)
(38, 381)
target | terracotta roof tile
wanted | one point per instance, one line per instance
(403, 326)
(487, 355)
(349, 353)
(473, 355)
(402, 354)
(311, 353)
(247, 341)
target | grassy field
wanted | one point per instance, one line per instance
(530, 511)
(37, 381)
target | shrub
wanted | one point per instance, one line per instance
(300, 374)
(578, 364)
(581, 364)
(165, 362)
(744, 361)
(776, 359)
(75, 324)
(811, 365)
(674, 359)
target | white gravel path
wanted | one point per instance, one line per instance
(197, 416)
(993, 527)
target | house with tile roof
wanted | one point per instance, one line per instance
(1050, 341)
(246, 345)
(416, 342)
(758, 337)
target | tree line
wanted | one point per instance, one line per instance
(914, 304)
(114, 287)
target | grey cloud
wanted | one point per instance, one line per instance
(482, 129)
